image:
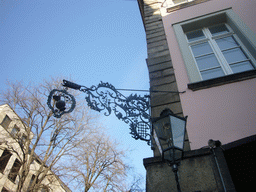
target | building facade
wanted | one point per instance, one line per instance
(212, 46)
(11, 128)
(205, 50)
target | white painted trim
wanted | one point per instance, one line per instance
(243, 34)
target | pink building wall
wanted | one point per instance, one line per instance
(228, 112)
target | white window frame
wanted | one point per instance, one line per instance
(242, 34)
(224, 65)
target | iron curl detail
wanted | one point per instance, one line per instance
(61, 102)
(133, 110)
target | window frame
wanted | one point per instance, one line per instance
(172, 3)
(6, 122)
(210, 39)
(15, 131)
(242, 34)
(4, 159)
(5, 190)
(14, 170)
(180, 2)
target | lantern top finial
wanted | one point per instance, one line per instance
(166, 112)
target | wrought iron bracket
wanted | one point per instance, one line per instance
(133, 110)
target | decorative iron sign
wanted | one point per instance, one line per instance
(61, 102)
(133, 110)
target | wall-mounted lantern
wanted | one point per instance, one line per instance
(169, 134)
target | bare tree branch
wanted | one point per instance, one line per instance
(73, 146)
(45, 135)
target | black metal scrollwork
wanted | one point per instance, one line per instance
(133, 110)
(60, 102)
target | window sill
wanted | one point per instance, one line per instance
(222, 80)
(184, 5)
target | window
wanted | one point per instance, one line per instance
(179, 1)
(45, 189)
(172, 3)
(23, 140)
(15, 170)
(217, 52)
(6, 155)
(4, 190)
(15, 131)
(216, 48)
(6, 122)
(30, 183)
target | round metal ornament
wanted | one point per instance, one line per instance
(61, 102)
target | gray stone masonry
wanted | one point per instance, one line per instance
(161, 72)
(198, 171)
(160, 68)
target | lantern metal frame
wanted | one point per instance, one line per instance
(174, 162)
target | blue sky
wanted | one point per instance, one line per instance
(88, 41)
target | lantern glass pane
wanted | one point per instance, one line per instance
(166, 126)
(159, 129)
(178, 131)
(162, 130)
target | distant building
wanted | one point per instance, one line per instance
(11, 127)
(206, 49)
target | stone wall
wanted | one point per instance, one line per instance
(159, 62)
(161, 72)
(202, 170)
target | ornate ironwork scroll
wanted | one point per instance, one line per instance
(133, 110)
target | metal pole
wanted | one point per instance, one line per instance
(175, 170)
(222, 180)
